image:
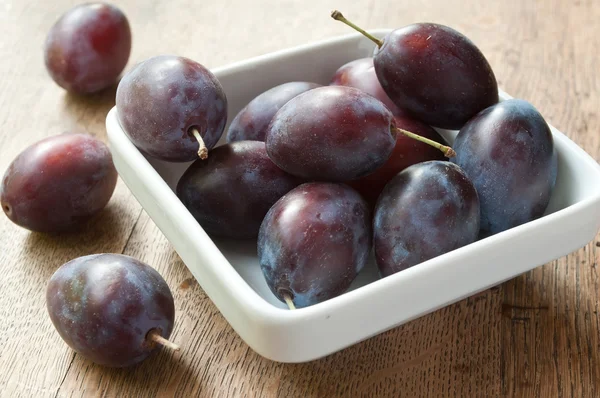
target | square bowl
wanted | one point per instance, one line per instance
(229, 272)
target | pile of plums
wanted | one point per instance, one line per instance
(319, 175)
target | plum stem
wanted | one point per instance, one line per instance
(339, 17)
(448, 151)
(202, 150)
(289, 302)
(154, 336)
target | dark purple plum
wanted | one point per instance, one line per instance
(507, 150)
(107, 306)
(314, 241)
(59, 183)
(433, 72)
(332, 133)
(252, 121)
(172, 108)
(406, 153)
(88, 47)
(429, 209)
(360, 74)
(230, 192)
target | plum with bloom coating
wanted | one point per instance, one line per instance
(106, 306)
(172, 108)
(507, 150)
(427, 210)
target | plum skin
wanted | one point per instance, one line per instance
(104, 305)
(88, 47)
(436, 74)
(252, 121)
(230, 193)
(427, 210)
(314, 241)
(58, 184)
(507, 150)
(360, 74)
(331, 133)
(161, 99)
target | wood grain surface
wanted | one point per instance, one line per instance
(534, 336)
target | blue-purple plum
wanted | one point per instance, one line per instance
(230, 192)
(332, 133)
(58, 184)
(314, 241)
(427, 210)
(163, 100)
(252, 121)
(105, 305)
(88, 47)
(507, 150)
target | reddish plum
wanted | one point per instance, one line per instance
(335, 134)
(313, 242)
(88, 47)
(58, 183)
(332, 133)
(360, 74)
(433, 72)
(172, 108)
(406, 153)
(252, 121)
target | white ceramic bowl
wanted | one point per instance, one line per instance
(229, 272)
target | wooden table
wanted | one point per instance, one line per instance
(536, 335)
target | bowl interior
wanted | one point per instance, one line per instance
(317, 63)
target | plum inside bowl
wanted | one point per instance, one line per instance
(229, 273)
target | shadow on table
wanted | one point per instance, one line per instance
(163, 373)
(98, 103)
(99, 235)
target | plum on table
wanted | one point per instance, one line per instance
(111, 308)
(59, 183)
(88, 47)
